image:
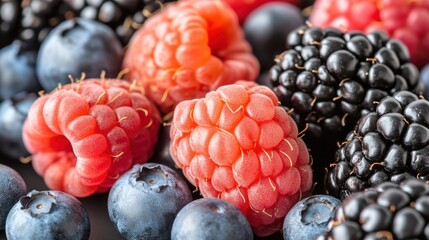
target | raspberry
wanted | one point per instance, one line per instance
(187, 49)
(239, 145)
(405, 20)
(84, 136)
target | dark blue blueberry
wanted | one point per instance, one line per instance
(266, 29)
(78, 46)
(424, 77)
(143, 202)
(17, 70)
(48, 215)
(12, 187)
(210, 218)
(309, 217)
(13, 112)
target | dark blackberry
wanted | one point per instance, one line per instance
(389, 144)
(328, 79)
(39, 17)
(10, 15)
(389, 211)
(123, 16)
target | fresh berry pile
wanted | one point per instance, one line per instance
(328, 79)
(405, 20)
(225, 119)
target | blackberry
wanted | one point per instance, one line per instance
(389, 144)
(39, 17)
(123, 16)
(328, 79)
(9, 20)
(388, 211)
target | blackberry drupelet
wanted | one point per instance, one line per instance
(123, 16)
(328, 79)
(39, 17)
(10, 13)
(389, 144)
(388, 211)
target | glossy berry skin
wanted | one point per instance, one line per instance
(309, 217)
(390, 144)
(407, 21)
(85, 135)
(387, 211)
(210, 218)
(237, 144)
(12, 187)
(244, 8)
(48, 215)
(144, 201)
(39, 17)
(187, 50)
(13, 112)
(90, 47)
(267, 27)
(327, 79)
(17, 70)
(424, 78)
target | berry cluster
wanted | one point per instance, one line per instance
(226, 119)
(85, 135)
(389, 144)
(186, 51)
(237, 144)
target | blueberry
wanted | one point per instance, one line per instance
(17, 70)
(210, 218)
(12, 187)
(266, 29)
(309, 217)
(78, 46)
(13, 112)
(424, 77)
(143, 202)
(47, 215)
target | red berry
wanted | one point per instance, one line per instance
(244, 7)
(85, 135)
(406, 20)
(239, 145)
(188, 49)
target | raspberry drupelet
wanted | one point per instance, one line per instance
(238, 144)
(84, 135)
(188, 49)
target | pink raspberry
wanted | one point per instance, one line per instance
(85, 135)
(238, 144)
